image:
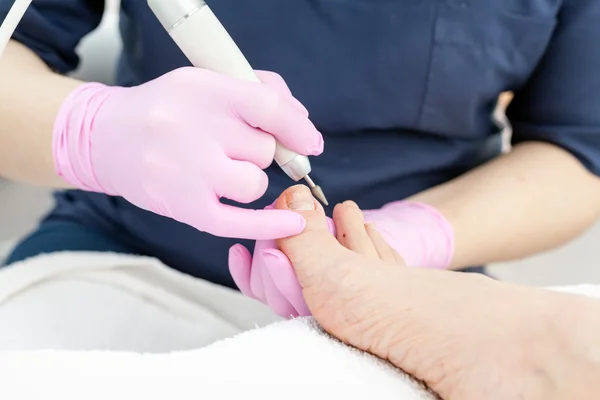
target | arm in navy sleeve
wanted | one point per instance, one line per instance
(32, 84)
(546, 191)
(53, 28)
(561, 102)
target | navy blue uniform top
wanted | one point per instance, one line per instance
(403, 91)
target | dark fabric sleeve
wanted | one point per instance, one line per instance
(53, 28)
(560, 104)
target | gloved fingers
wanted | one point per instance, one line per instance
(240, 181)
(385, 251)
(277, 82)
(351, 232)
(256, 282)
(240, 267)
(250, 144)
(275, 299)
(262, 107)
(285, 280)
(331, 226)
(235, 222)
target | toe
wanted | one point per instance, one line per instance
(315, 246)
(351, 232)
(299, 199)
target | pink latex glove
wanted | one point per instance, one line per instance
(177, 144)
(419, 233)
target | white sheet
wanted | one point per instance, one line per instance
(95, 301)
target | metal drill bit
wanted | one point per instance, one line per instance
(316, 190)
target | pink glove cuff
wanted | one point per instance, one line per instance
(417, 231)
(71, 142)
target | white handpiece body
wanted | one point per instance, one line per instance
(205, 42)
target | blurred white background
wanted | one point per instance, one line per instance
(22, 205)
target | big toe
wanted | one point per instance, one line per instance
(299, 199)
(316, 240)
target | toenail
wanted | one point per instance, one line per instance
(350, 203)
(301, 200)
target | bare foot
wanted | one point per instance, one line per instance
(339, 275)
(466, 336)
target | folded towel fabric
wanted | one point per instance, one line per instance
(285, 360)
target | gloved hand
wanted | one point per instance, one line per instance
(420, 234)
(177, 144)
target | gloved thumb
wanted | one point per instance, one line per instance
(284, 278)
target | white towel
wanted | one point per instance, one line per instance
(286, 360)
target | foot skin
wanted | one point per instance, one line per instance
(466, 336)
(338, 274)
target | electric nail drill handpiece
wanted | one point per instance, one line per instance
(205, 42)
